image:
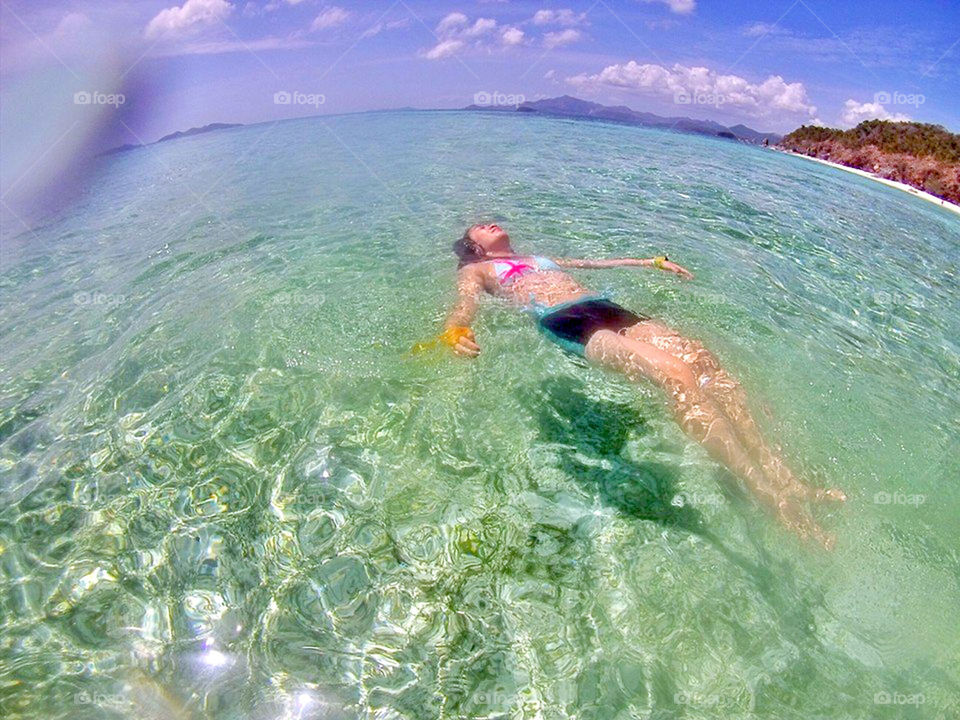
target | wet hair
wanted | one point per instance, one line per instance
(466, 250)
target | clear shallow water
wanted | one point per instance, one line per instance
(228, 490)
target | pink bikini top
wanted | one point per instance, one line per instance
(509, 269)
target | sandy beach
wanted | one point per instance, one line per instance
(892, 183)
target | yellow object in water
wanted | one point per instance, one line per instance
(451, 336)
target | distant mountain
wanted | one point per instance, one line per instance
(120, 149)
(198, 131)
(750, 135)
(568, 106)
(173, 136)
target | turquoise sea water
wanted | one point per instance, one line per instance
(228, 491)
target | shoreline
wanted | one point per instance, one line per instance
(946, 204)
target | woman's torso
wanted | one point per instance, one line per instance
(533, 282)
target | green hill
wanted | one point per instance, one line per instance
(922, 155)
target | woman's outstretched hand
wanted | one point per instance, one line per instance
(660, 262)
(467, 346)
(674, 268)
(461, 340)
(458, 338)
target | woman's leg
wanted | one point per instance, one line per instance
(700, 418)
(728, 394)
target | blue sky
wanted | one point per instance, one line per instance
(173, 64)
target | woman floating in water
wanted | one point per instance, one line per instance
(708, 403)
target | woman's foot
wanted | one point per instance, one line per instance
(794, 512)
(826, 494)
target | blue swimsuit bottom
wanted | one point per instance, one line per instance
(571, 324)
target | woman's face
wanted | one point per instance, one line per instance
(491, 237)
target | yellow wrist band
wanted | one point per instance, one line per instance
(451, 336)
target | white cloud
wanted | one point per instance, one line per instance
(481, 27)
(329, 17)
(186, 18)
(512, 36)
(382, 26)
(761, 29)
(456, 33)
(681, 7)
(445, 48)
(451, 22)
(542, 17)
(564, 37)
(772, 97)
(72, 39)
(661, 23)
(221, 47)
(71, 25)
(876, 47)
(558, 17)
(854, 113)
(274, 5)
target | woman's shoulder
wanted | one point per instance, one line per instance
(480, 266)
(480, 271)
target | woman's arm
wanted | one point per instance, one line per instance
(660, 263)
(457, 333)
